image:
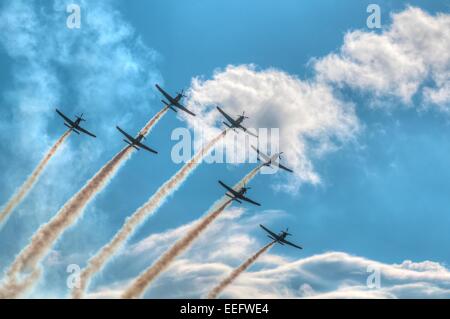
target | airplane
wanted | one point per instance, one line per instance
(280, 238)
(271, 160)
(238, 196)
(173, 101)
(75, 125)
(235, 123)
(135, 141)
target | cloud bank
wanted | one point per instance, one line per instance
(312, 120)
(410, 57)
(325, 275)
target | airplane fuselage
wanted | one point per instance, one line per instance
(239, 120)
(279, 237)
(273, 160)
(237, 195)
(175, 100)
(77, 122)
(242, 191)
(139, 138)
(74, 124)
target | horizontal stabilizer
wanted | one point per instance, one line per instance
(169, 106)
(232, 197)
(134, 146)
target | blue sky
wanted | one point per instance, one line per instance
(383, 195)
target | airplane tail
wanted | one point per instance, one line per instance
(130, 144)
(169, 106)
(70, 127)
(226, 194)
(233, 198)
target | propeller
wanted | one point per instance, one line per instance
(182, 93)
(287, 232)
(243, 115)
(81, 117)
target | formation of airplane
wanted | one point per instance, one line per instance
(235, 123)
(135, 141)
(281, 237)
(238, 195)
(75, 125)
(174, 101)
(273, 160)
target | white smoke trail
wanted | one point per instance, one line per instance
(32, 179)
(236, 272)
(13, 289)
(47, 235)
(155, 119)
(140, 284)
(97, 262)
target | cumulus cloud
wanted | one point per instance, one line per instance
(311, 119)
(410, 56)
(326, 275)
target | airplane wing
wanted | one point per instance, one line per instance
(291, 244)
(171, 100)
(285, 168)
(232, 191)
(166, 95)
(249, 200)
(79, 128)
(262, 155)
(128, 136)
(269, 231)
(145, 147)
(178, 105)
(69, 121)
(229, 118)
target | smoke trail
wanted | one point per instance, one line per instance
(147, 128)
(139, 285)
(239, 270)
(46, 236)
(13, 289)
(32, 179)
(96, 263)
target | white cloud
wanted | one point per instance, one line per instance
(326, 275)
(311, 119)
(411, 56)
